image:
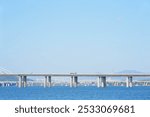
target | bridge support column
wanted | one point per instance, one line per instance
(49, 81)
(129, 82)
(3, 84)
(103, 81)
(45, 82)
(71, 81)
(75, 81)
(24, 81)
(20, 82)
(98, 81)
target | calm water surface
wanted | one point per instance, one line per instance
(79, 93)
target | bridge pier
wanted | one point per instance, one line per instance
(103, 81)
(45, 82)
(3, 84)
(75, 81)
(49, 80)
(71, 81)
(24, 81)
(129, 82)
(98, 82)
(20, 81)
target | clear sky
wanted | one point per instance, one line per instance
(75, 35)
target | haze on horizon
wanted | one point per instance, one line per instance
(74, 36)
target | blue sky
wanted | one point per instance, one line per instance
(75, 36)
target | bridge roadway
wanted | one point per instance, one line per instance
(101, 78)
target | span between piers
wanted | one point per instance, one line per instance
(101, 78)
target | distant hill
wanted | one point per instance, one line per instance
(8, 78)
(129, 72)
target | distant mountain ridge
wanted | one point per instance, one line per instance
(8, 78)
(11, 78)
(129, 72)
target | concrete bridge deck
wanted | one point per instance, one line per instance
(101, 77)
(79, 74)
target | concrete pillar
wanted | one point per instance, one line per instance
(17, 84)
(45, 81)
(49, 81)
(3, 84)
(129, 82)
(146, 83)
(32, 84)
(24, 81)
(75, 81)
(103, 81)
(20, 81)
(71, 81)
(117, 83)
(98, 82)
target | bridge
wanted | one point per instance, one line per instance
(101, 78)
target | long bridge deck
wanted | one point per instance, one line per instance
(80, 74)
(101, 77)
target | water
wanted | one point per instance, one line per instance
(79, 93)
